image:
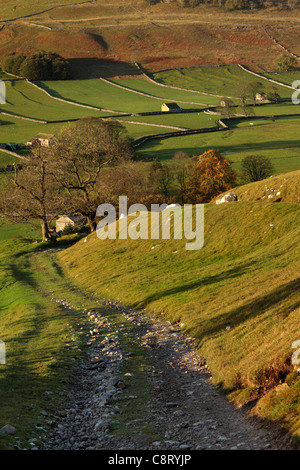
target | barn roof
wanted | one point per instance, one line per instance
(172, 105)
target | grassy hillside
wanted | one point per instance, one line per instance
(23, 99)
(277, 188)
(238, 296)
(45, 341)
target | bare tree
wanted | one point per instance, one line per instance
(32, 195)
(82, 152)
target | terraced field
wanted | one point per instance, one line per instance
(136, 102)
(24, 99)
(107, 96)
(224, 80)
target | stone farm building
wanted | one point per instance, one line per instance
(43, 140)
(74, 221)
(171, 108)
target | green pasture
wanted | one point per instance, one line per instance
(104, 95)
(20, 131)
(9, 230)
(278, 140)
(24, 99)
(36, 331)
(284, 77)
(146, 86)
(225, 80)
(274, 137)
(184, 120)
(6, 159)
(282, 109)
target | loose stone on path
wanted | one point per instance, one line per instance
(185, 409)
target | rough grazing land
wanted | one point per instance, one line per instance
(160, 36)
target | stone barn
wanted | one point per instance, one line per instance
(74, 221)
(171, 108)
(42, 140)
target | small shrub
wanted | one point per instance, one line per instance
(256, 168)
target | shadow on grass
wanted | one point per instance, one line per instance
(50, 245)
(156, 148)
(94, 68)
(215, 279)
(254, 308)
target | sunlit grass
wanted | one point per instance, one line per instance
(237, 296)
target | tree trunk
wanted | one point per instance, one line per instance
(91, 223)
(45, 230)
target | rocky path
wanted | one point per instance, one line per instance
(179, 409)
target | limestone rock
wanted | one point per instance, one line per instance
(8, 429)
(229, 197)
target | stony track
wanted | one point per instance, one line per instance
(183, 409)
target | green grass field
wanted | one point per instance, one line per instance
(280, 109)
(284, 77)
(35, 332)
(265, 135)
(23, 99)
(237, 295)
(19, 131)
(278, 140)
(9, 230)
(6, 159)
(44, 343)
(187, 121)
(225, 80)
(146, 86)
(104, 95)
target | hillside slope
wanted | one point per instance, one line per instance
(158, 36)
(238, 296)
(278, 188)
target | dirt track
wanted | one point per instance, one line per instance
(184, 411)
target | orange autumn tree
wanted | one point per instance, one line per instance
(210, 176)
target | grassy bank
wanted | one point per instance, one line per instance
(238, 296)
(42, 341)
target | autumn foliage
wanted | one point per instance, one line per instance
(211, 175)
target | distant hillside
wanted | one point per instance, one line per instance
(238, 296)
(161, 35)
(11, 10)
